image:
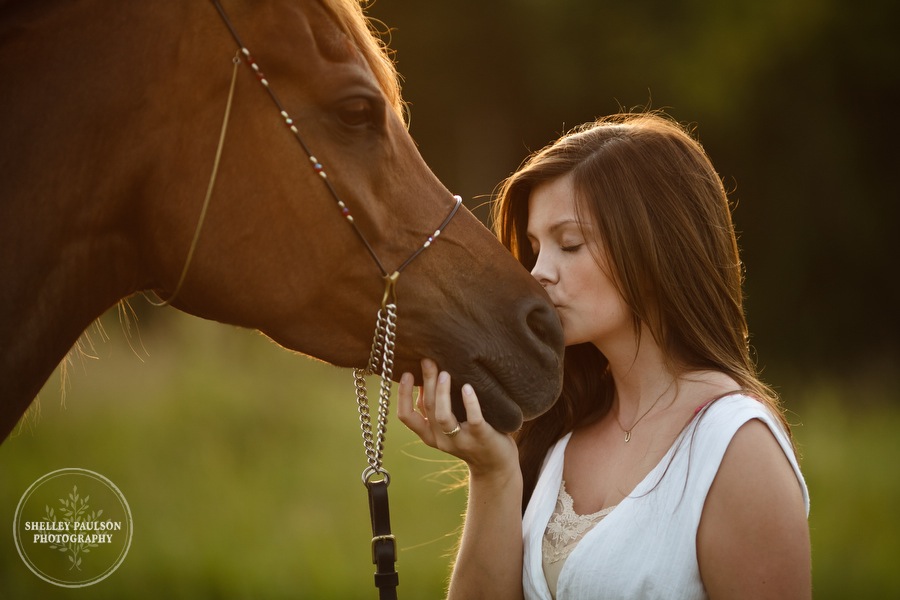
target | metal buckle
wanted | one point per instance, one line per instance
(384, 538)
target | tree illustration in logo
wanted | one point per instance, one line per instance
(74, 510)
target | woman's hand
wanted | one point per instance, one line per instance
(489, 563)
(488, 452)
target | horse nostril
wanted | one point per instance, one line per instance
(543, 322)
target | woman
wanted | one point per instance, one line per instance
(666, 469)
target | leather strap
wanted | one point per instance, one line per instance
(384, 546)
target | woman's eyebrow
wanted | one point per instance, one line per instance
(565, 223)
(561, 224)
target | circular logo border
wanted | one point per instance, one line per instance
(58, 473)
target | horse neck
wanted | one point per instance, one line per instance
(76, 161)
(64, 276)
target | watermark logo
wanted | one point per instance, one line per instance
(72, 527)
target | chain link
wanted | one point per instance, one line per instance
(381, 362)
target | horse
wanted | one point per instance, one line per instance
(110, 115)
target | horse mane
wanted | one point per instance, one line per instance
(366, 34)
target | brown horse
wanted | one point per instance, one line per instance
(110, 113)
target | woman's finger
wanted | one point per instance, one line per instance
(429, 381)
(443, 413)
(406, 410)
(420, 402)
(405, 400)
(472, 406)
(498, 450)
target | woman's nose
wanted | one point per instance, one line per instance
(543, 271)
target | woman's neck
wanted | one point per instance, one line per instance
(642, 377)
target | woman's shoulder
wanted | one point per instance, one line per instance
(758, 482)
(736, 407)
(757, 503)
(719, 420)
(736, 431)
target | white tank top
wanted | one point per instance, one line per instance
(646, 546)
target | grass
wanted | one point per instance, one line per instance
(241, 463)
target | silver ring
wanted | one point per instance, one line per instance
(453, 431)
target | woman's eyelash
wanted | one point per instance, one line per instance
(571, 248)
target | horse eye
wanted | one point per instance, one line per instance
(356, 112)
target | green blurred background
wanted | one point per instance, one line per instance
(241, 461)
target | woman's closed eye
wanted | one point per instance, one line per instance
(571, 247)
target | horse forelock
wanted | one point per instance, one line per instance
(366, 35)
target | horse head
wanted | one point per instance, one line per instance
(275, 251)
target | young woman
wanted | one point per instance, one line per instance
(666, 468)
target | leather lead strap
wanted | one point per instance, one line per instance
(384, 547)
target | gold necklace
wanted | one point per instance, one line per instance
(628, 431)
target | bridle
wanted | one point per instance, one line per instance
(381, 357)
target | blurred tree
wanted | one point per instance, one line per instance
(788, 98)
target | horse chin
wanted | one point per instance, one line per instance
(506, 399)
(498, 409)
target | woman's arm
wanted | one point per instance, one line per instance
(489, 562)
(753, 539)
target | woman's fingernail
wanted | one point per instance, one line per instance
(468, 390)
(406, 379)
(443, 377)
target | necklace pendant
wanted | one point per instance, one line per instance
(627, 436)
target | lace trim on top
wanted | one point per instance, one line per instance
(566, 527)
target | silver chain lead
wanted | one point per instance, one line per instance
(381, 362)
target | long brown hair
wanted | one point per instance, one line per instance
(664, 220)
